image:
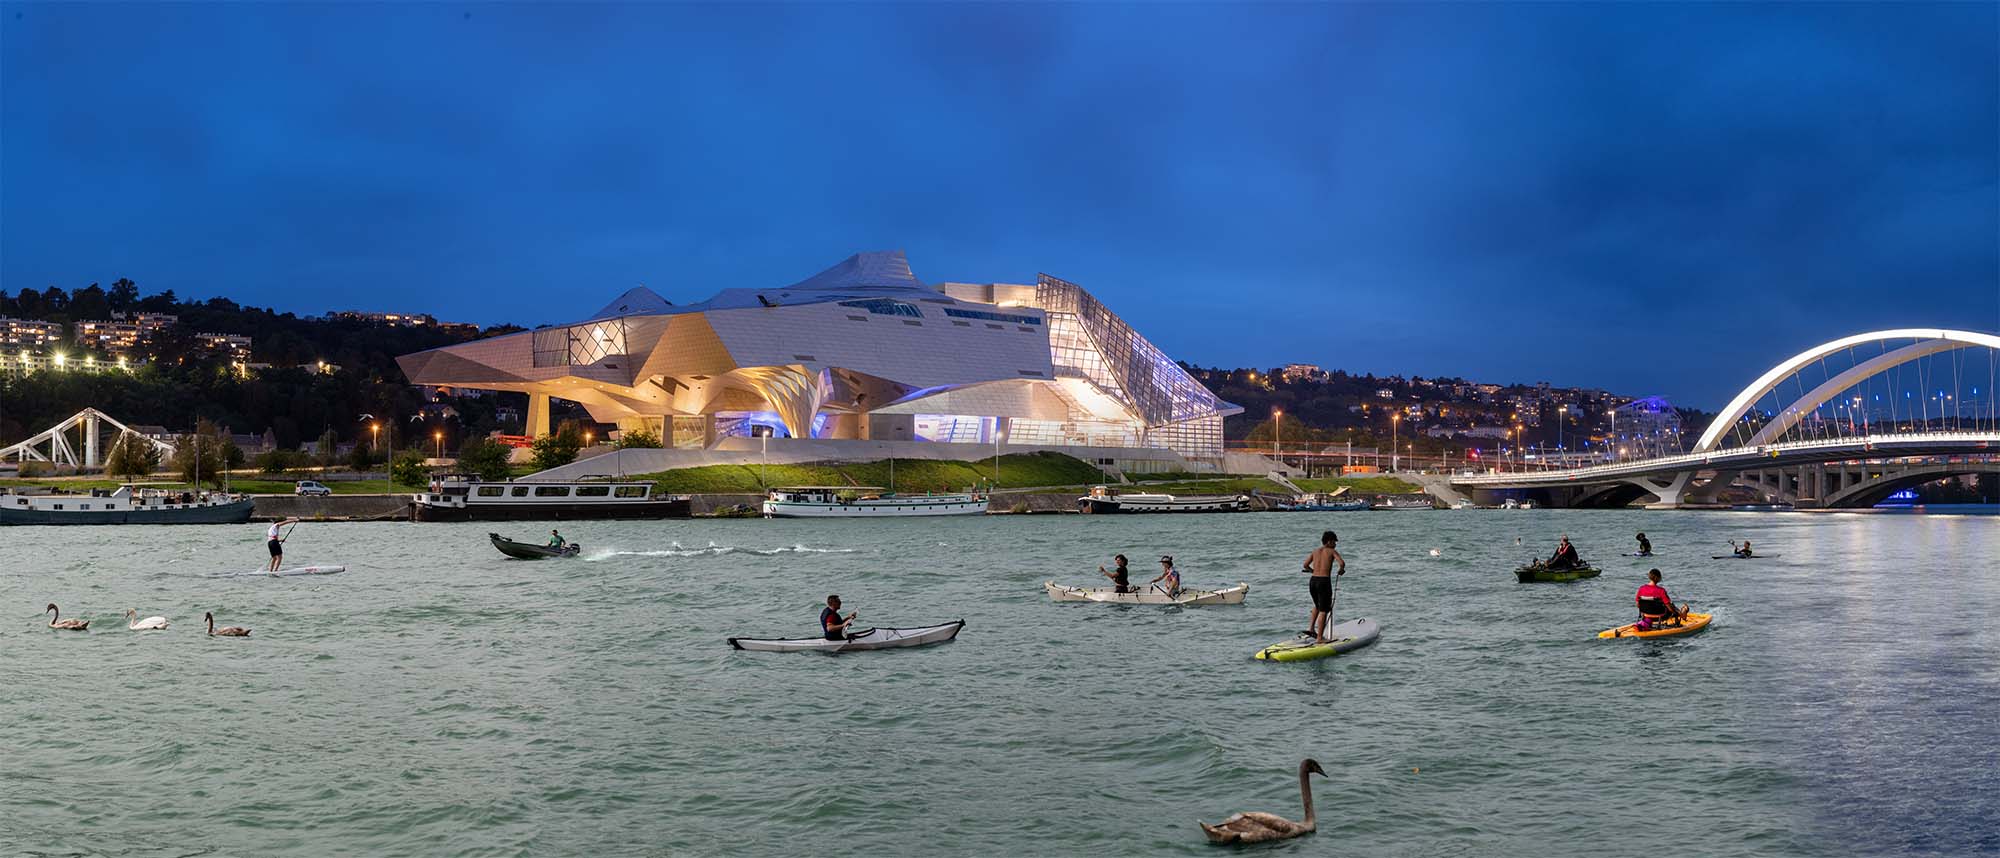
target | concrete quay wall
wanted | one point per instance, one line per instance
(332, 507)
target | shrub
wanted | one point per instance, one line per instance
(361, 458)
(638, 439)
(558, 448)
(35, 470)
(279, 461)
(131, 456)
(485, 457)
(409, 470)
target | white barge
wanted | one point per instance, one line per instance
(866, 502)
(458, 498)
(1102, 501)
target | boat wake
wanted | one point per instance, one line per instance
(714, 550)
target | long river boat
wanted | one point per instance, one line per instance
(458, 498)
(128, 504)
(1102, 500)
(866, 502)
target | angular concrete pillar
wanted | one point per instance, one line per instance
(90, 441)
(538, 415)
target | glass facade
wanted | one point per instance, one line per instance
(579, 345)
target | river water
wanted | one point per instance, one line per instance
(437, 699)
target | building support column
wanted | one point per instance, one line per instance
(538, 415)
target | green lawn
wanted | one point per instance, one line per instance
(1360, 485)
(1018, 470)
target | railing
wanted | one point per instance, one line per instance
(1695, 461)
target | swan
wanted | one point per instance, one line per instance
(225, 631)
(57, 622)
(149, 624)
(1254, 827)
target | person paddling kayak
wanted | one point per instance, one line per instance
(830, 622)
(1121, 577)
(1170, 575)
(1655, 606)
(276, 540)
(1741, 552)
(1565, 556)
(1645, 546)
(1323, 564)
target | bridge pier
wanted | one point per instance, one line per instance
(90, 441)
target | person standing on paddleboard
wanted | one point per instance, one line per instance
(276, 541)
(1323, 564)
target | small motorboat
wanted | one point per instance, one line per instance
(526, 551)
(861, 640)
(1539, 572)
(1148, 596)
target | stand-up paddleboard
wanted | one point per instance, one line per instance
(286, 572)
(1635, 554)
(1341, 637)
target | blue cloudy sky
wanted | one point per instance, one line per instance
(1654, 198)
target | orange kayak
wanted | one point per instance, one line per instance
(1692, 623)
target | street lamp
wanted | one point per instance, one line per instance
(587, 434)
(1278, 433)
(1395, 433)
(439, 436)
(375, 437)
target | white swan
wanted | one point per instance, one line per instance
(1254, 827)
(149, 624)
(225, 631)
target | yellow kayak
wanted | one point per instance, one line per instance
(1690, 624)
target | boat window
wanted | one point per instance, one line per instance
(592, 491)
(520, 491)
(552, 491)
(632, 491)
(84, 506)
(492, 491)
(58, 506)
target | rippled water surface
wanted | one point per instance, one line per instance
(437, 699)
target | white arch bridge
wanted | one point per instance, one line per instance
(55, 445)
(1835, 442)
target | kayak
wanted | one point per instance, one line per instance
(1537, 573)
(1341, 637)
(1692, 623)
(1740, 557)
(530, 551)
(867, 639)
(1149, 596)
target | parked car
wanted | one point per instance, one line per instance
(310, 488)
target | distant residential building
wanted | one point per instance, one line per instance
(28, 332)
(1297, 372)
(236, 347)
(1385, 393)
(112, 336)
(17, 363)
(149, 323)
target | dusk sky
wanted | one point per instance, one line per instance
(1657, 198)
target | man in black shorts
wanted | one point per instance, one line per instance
(1323, 564)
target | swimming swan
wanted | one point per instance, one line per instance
(149, 624)
(225, 631)
(57, 622)
(1254, 827)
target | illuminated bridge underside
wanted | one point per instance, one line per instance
(861, 351)
(1857, 465)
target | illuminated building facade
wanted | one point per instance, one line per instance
(862, 351)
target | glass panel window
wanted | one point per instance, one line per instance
(520, 491)
(552, 491)
(632, 491)
(885, 307)
(492, 491)
(593, 491)
(1016, 318)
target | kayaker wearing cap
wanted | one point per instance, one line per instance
(830, 621)
(1324, 563)
(1170, 575)
(1655, 607)
(1121, 580)
(1645, 546)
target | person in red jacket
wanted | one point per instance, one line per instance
(1655, 607)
